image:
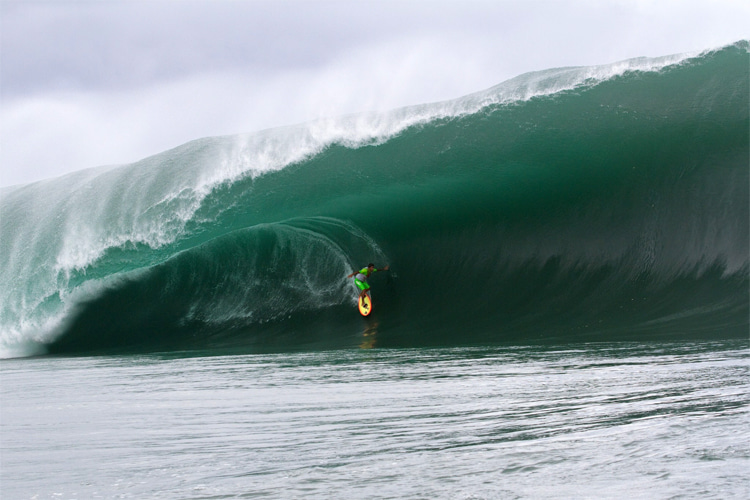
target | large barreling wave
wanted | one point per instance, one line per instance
(591, 203)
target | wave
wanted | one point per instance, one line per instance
(588, 203)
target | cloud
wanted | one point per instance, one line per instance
(64, 131)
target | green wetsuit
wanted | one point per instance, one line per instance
(361, 278)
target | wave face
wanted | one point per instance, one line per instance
(570, 204)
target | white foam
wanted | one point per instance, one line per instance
(271, 150)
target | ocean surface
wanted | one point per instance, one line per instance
(567, 310)
(622, 420)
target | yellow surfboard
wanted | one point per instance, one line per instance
(365, 305)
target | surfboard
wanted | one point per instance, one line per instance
(365, 305)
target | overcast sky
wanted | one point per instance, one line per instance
(88, 83)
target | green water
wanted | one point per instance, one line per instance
(555, 207)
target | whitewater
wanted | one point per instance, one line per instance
(566, 315)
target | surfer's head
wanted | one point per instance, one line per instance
(370, 265)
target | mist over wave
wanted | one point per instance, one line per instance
(593, 203)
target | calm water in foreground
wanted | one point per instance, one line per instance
(583, 421)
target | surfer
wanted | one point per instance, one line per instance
(360, 277)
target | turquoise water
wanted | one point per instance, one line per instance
(654, 420)
(566, 314)
(576, 204)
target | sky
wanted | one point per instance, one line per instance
(86, 83)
